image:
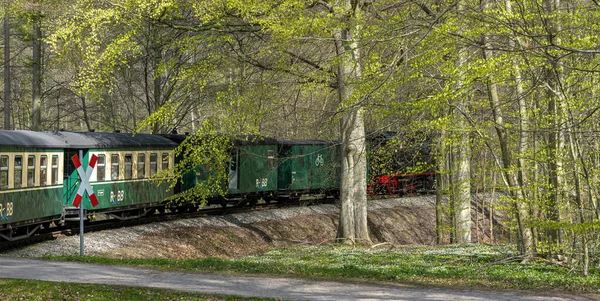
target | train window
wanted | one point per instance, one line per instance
(30, 171)
(18, 171)
(128, 167)
(233, 164)
(43, 170)
(114, 166)
(199, 174)
(153, 164)
(141, 166)
(271, 159)
(300, 158)
(55, 169)
(101, 168)
(165, 161)
(4, 172)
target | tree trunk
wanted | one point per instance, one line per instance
(439, 194)
(7, 95)
(507, 162)
(555, 136)
(463, 186)
(462, 183)
(353, 215)
(36, 111)
(86, 118)
(523, 210)
(157, 84)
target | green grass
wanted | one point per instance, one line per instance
(458, 266)
(41, 290)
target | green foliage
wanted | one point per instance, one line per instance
(457, 266)
(206, 153)
(403, 154)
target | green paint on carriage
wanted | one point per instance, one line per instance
(28, 205)
(253, 171)
(308, 166)
(257, 170)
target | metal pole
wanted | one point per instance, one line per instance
(81, 217)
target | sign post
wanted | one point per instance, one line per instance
(84, 186)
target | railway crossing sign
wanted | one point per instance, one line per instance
(85, 180)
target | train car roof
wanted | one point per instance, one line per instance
(237, 140)
(253, 140)
(86, 140)
(307, 142)
(29, 139)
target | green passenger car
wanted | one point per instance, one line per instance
(120, 178)
(31, 182)
(252, 171)
(308, 167)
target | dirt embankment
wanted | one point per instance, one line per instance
(396, 221)
(254, 232)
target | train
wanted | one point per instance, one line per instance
(39, 180)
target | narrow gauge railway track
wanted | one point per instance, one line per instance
(53, 233)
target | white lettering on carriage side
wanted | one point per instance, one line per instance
(319, 161)
(117, 198)
(261, 183)
(6, 210)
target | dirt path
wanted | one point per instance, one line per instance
(277, 288)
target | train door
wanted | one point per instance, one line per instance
(234, 170)
(285, 176)
(70, 177)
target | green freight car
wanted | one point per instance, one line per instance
(308, 167)
(31, 183)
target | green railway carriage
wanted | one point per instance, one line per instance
(308, 167)
(31, 182)
(252, 171)
(121, 177)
